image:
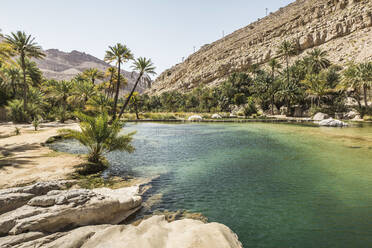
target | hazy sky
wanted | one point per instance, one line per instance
(164, 30)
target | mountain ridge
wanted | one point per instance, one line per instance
(341, 27)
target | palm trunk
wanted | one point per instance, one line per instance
(130, 95)
(117, 93)
(108, 92)
(272, 104)
(24, 82)
(14, 88)
(365, 95)
(287, 69)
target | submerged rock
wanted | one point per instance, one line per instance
(195, 118)
(332, 123)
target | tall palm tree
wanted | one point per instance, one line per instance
(318, 60)
(144, 67)
(118, 54)
(24, 46)
(274, 65)
(93, 74)
(100, 137)
(286, 49)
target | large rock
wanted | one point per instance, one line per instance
(195, 118)
(216, 116)
(320, 116)
(351, 115)
(154, 232)
(59, 209)
(332, 123)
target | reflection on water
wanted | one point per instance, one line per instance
(275, 185)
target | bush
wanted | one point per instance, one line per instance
(250, 107)
(16, 111)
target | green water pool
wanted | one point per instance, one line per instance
(275, 185)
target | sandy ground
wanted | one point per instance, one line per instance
(24, 160)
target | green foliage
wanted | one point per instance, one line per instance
(16, 111)
(36, 123)
(17, 131)
(250, 107)
(100, 137)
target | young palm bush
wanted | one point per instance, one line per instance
(16, 111)
(100, 138)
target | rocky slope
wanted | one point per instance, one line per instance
(341, 27)
(64, 66)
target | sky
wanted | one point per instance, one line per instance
(163, 30)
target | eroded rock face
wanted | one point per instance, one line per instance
(13, 198)
(60, 209)
(343, 28)
(155, 232)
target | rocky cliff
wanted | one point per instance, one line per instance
(341, 27)
(64, 66)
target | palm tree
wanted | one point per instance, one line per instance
(274, 64)
(93, 74)
(24, 46)
(119, 54)
(61, 91)
(82, 92)
(318, 60)
(317, 87)
(359, 77)
(13, 74)
(100, 137)
(286, 49)
(144, 67)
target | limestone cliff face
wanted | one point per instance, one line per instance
(341, 27)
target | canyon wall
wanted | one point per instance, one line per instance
(341, 27)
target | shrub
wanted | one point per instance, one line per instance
(100, 138)
(250, 107)
(16, 111)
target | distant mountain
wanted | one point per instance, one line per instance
(61, 65)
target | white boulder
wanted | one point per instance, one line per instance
(195, 118)
(59, 209)
(216, 116)
(154, 232)
(320, 116)
(332, 123)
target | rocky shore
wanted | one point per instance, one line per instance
(55, 212)
(50, 214)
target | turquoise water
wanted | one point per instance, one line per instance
(275, 185)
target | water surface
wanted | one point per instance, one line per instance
(275, 185)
